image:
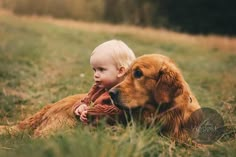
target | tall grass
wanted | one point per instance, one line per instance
(43, 60)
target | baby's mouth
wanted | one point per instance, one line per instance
(98, 83)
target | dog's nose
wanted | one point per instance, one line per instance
(115, 96)
(114, 93)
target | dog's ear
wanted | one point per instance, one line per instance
(168, 85)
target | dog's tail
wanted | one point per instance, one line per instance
(8, 130)
(28, 124)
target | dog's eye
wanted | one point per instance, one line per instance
(138, 73)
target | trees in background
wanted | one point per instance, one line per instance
(201, 16)
(194, 16)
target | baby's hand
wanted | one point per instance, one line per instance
(83, 116)
(78, 111)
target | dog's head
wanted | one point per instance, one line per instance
(152, 79)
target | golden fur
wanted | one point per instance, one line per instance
(158, 88)
(49, 119)
(155, 85)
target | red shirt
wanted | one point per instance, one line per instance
(100, 105)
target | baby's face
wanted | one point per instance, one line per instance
(105, 70)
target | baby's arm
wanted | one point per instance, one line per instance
(81, 105)
(103, 109)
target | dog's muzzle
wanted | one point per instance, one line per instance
(115, 96)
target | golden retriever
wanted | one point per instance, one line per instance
(156, 85)
(153, 83)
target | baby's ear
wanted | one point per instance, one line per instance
(121, 72)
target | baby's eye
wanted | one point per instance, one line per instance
(101, 69)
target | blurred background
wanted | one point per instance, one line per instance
(45, 46)
(191, 16)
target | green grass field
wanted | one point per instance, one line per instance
(43, 60)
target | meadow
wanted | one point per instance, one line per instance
(43, 60)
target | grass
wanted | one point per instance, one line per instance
(43, 60)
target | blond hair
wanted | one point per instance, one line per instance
(122, 55)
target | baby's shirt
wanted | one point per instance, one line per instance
(99, 104)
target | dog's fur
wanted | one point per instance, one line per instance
(49, 119)
(159, 89)
(155, 85)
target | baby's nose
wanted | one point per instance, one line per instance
(96, 75)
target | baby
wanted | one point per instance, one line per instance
(110, 62)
